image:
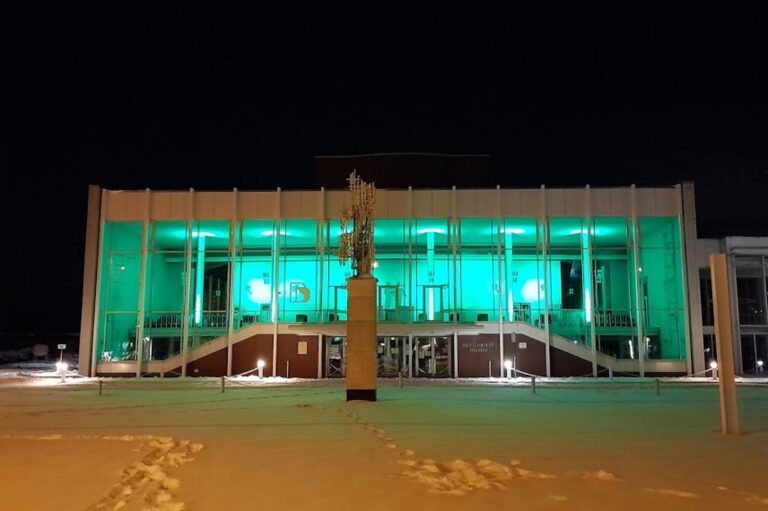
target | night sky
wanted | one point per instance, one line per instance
(220, 95)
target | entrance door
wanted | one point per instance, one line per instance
(391, 356)
(335, 357)
(432, 357)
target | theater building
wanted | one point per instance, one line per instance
(559, 282)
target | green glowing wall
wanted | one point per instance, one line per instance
(498, 265)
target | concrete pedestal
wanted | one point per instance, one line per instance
(361, 338)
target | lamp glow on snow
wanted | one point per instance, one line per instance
(508, 367)
(759, 366)
(260, 366)
(61, 368)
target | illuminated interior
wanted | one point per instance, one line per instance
(585, 280)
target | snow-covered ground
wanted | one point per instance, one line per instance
(290, 444)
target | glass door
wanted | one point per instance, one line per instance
(335, 357)
(432, 357)
(391, 356)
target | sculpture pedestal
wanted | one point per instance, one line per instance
(361, 338)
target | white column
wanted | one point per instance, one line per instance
(456, 354)
(410, 254)
(321, 245)
(276, 284)
(501, 281)
(233, 226)
(319, 356)
(590, 299)
(545, 243)
(454, 243)
(187, 284)
(410, 356)
(142, 286)
(638, 283)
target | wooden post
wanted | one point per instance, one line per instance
(729, 413)
(223, 380)
(657, 383)
(101, 383)
(533, 385)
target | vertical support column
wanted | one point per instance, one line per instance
(729, 414)
(500, 281)
(142, 287)
(233, 229)
(454, 243)
(544, 222)
(276, 282)
(456, 354)
(686, 222)
(91, 280)
(410, 356)
(638, 283)
(321, 246)
(410, 254)
(589, 300)
(187, 283)
(319, 356)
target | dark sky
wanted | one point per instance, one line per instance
(229, 94)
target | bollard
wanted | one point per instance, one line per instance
(610, 373)
(287, 368)
(533, 385)
(400, 379)
(222, 384)
(490, 373)
(101, 383)
(658, 387)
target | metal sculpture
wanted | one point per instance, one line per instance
(357, 244)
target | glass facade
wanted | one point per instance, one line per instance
(602, 280)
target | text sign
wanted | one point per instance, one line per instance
(62, 346)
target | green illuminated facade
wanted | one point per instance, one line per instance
(612, 285)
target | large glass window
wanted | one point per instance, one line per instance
(614, 297)
(570, 289)
(750, 288)
(335, 274)
(523, 271)
(299, 271)
(209, 281)
(661, 291)
(479, 271)
(391, 269)
(433, 274)
(254, 273)
(165, 278)
(707, 306)
(119, 291)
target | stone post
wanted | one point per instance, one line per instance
(361, 338)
